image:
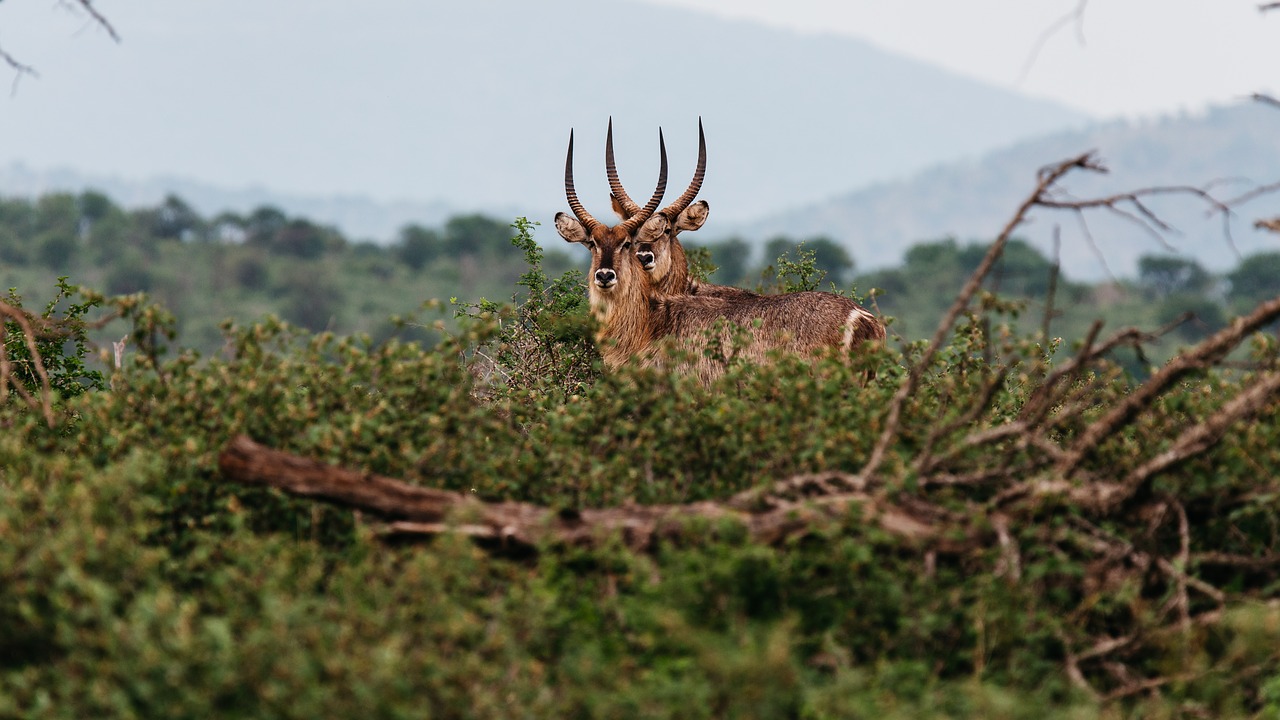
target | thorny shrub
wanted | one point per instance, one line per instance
(134, 582)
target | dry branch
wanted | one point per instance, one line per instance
(414, 510)
(1200, 357)
(8, 380)
(1075, 17)
(98, 18)
(1047, 178)
(1202, 436)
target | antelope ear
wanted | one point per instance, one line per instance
(654, 228)
(693, 216)
(570, 229)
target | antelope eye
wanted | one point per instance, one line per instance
(626, 244)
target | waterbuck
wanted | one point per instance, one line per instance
(636, 316)
(660, 251)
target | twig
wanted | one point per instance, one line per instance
(1074, 674)
(1093, 247)
(1252, 194)
(1261, 97)
(25, 324)
(1076, 16)
(20, 69)
(1139, 213)
(1212, 349)
(102, 21)
(925, 460)
(1184, 553)
(1269, 6)
(1010, 558)
(1204, 435)
(1046, 178)
(1241, 561)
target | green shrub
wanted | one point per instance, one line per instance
(136, 582)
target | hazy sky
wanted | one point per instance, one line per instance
(1138, 57)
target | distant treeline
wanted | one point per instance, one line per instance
(242, 266)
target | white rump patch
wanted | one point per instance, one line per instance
(857, 317)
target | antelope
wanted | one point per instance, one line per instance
(661, 253)
(636, 316)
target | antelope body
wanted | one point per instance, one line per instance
(639, 311)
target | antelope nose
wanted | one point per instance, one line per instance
(646, 258)
(606, 278)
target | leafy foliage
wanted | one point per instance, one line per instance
(134, 581)
(46, 353)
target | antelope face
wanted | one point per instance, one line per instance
(657, 245)
(614, 269)
(611, 263)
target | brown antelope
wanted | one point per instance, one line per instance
(616, 287)
(635, 316)
(661, 253)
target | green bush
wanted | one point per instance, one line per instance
(136, 582)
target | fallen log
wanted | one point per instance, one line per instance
(794, 507)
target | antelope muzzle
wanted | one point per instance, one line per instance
(646, 257)
(606, 279)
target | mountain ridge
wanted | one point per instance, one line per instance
(1230, 148)
(470, 104)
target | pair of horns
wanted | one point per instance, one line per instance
(675, 208)
(636, 214)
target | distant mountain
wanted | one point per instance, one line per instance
(469, 104)
(1229, 147)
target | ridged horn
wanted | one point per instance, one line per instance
(615, 185)
(682, 202)
(575, 204)
(635, 221)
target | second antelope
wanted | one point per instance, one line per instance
(636, 314)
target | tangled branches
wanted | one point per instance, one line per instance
(23, 373)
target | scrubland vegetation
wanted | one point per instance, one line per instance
(1000, 524)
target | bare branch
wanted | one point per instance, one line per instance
(20, 69)
(414, 511)
(1269, 6)
(1047, 177)
(1252, 194)
(1131, 206)
(1261, 97)
(102, 21)
(26, 326)
(1205, 435)
(1076, 16)
(1212, 349)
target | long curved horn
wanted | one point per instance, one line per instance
(575, 204)
(615, 185)
(634, 221)
(682, 202)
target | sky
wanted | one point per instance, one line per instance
(1125, 58)
(224, 70)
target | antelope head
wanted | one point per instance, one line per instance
(615, 276)
(657, 246)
